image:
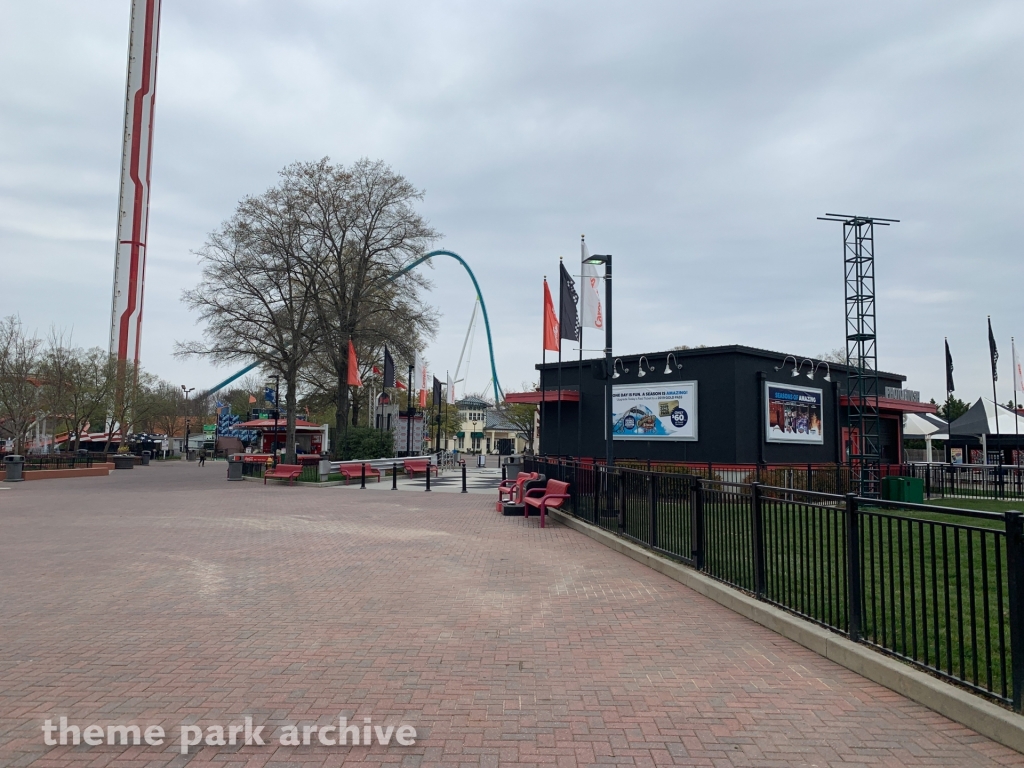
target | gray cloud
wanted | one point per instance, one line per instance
(696, 142)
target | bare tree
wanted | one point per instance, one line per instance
(19, 381)
(368, 230)
(257, 292)
(78, 384)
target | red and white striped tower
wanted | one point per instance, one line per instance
(136, 159)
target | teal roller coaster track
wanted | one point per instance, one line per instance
(498, 394)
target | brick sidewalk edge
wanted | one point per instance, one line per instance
(958, 705)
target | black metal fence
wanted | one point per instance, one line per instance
(969, 481)
(939, 588)
(73, 461)
(965, 481)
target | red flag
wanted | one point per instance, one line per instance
(376, 371)
(353, 367)
(252, 399)
(400, 385)
(550, 321)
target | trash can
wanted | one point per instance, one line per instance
(325, 468)
(481, 460)
(912, 490)
(892, 490)
(13, 465)
(235, 466)
(146, 456)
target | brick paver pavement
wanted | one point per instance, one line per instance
(166, 595)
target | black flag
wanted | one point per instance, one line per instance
(949, 369)
(568, 317)
(437, 392)
(389, 369)
(993, 351)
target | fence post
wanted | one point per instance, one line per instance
(362, 476)
(808, 486)
(928, 481)
(653, 537)
(697, 523)
(464, 477)
(1015, 594)
(394, 476)
(757, 519)
(853, 577)
(503, 471)
(428, 476)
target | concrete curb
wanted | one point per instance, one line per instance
(958, 705)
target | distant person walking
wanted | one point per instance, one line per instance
(202, 458)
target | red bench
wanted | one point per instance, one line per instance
(412, 466)
(552, 495)
(289, 472)
(513, 489)
(352, 472)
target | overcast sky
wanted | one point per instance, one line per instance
(696, 142)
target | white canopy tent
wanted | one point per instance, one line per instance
(926, 425)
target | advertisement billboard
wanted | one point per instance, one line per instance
(665, 411)
(793, 414)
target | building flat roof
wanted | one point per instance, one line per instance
(736, 349)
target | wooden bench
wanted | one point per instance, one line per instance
(552, 495)
(289, 472)
(352, 472)
(513, 489)
(412, 466)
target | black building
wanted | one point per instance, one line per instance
(728, 405)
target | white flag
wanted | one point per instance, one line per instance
(417, 368)
(451, 390)
(591, 306)
(1018, 374)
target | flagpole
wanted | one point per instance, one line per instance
(543, 362)
(995, 355)
(558, 440)
(1016, 426)
(579, 370)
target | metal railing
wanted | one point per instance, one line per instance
(940, 588)
(73, 461)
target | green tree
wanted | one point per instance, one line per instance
(952, 409)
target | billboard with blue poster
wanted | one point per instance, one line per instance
(666, 411)
(794, 414)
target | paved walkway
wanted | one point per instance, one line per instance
(166, 595)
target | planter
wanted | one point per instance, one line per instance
(124, 461)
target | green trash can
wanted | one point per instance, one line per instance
(892, 490)
(912, 490)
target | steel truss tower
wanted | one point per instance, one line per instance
(865, 446)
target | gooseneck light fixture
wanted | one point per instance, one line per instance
(788, 357)
(672, 359)
(619, 363)
(828, 371)
(640, 367)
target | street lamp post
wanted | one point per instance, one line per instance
(409, 411)
(186, 391)
(277, 412)
(609, 363)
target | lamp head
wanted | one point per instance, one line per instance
(794, 373)
(810, 375)
(599, 258)
(828, 376)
